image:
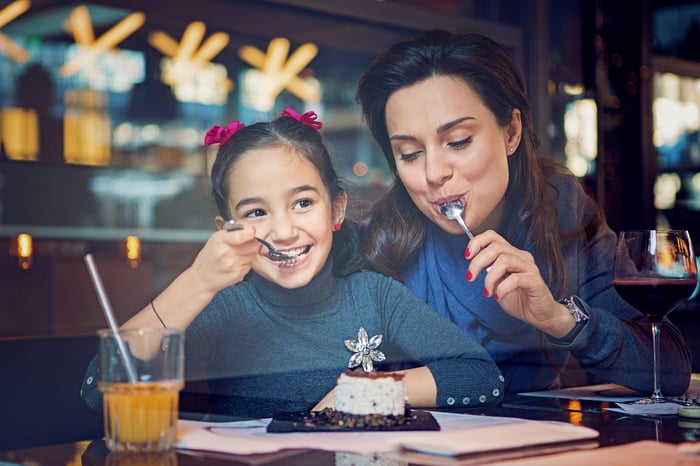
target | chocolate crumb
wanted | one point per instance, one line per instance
(331, 417)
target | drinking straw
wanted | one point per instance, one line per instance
(109, 315)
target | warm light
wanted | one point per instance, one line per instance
(580, 128)
(132, 245)
(190, 55)
(210, 48)
(87, 128)
(20, 133)
(572, 89)
(80, 25)
(7, 46)
(666, 187)
(665, 259)
(22, 247)
(190, 40)
(90, 48)
(206, 84)
(279, 74)
(575, 413)
(13, 10)
(163, 42)
(360, 169)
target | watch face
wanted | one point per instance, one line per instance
(575, 310)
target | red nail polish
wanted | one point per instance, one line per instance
(467, 253)
(469, 275)
(486, 292)
(495, 297)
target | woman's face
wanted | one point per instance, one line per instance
(280, 193)
(448, 145)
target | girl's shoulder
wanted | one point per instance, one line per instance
(374, 282)
(368, 276)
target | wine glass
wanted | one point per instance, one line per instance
(655, 271)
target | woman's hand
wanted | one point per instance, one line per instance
(515, 281)
(225, 259)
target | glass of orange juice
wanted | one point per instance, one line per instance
(140, 408)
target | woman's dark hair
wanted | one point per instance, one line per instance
(286, 131)
(395, 228)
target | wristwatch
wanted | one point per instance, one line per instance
(575, 308)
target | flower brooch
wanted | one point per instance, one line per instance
(364, 351)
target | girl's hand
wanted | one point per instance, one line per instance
(515, 281)
(225, 259)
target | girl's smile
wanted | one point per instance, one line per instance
(296, 256)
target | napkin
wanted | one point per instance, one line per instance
(646, 409)
(460, 434)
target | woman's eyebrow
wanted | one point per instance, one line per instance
(440, 129)
(402, 137)
(450, 124)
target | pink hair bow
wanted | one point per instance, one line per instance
(220, 134)
(309, 118)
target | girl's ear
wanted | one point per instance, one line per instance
(219, 221)
(340, 205)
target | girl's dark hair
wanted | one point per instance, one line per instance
(395, 229)
(288, 132)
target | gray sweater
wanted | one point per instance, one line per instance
(264, 349)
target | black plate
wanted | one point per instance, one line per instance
(329, 421)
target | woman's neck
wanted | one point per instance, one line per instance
(495, 220)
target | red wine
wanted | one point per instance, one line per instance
(655, 297)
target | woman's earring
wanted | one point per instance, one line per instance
(337, 227)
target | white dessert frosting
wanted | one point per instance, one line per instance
(370, 394)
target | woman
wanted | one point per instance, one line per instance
(534, 285)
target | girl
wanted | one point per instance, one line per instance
(535, 284)
(268, 335)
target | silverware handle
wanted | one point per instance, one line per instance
(232, 225)
(464, 227)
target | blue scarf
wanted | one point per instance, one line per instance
(438, 277)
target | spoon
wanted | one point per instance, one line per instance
(274, 254)
(454, 210)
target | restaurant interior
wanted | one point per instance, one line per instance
(104, 105)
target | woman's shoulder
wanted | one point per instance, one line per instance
(570, 194)
(564, 183)
(577, 209)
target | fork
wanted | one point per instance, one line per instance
(274, 254)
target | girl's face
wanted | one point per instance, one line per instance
(448, 145)
(280, 193)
